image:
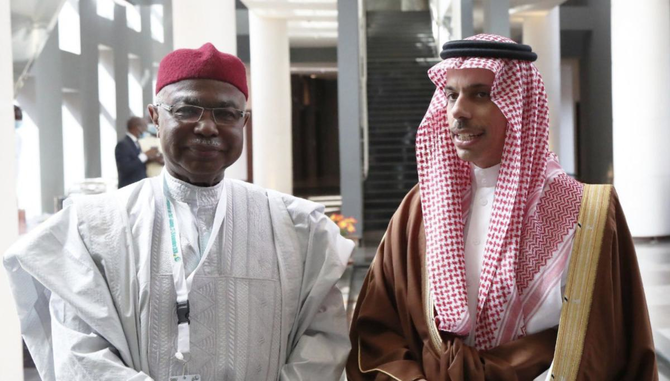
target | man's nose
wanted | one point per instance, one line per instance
(461, 109)
(207, 126)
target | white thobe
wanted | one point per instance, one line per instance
(96, 301)
(476, 230)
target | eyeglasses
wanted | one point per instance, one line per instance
(225, 116)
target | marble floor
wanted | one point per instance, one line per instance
(654, 259)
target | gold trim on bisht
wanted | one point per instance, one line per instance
(580, 283)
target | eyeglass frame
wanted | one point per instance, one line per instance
(169, 109)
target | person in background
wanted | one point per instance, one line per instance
(130, 159)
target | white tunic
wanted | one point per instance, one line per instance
(96, 299)
(476, 230)
(483, 187)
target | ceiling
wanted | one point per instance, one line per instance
(311, 23)
(31, 23)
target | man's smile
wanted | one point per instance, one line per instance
(466, 137)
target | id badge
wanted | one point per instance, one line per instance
(188, 377)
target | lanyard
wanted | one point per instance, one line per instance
(182, 284)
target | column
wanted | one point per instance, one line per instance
(462, 23)
(496, 17)
(569, 98)
(49, 89)
(147, 59)
(11, 352)
(119, 42)
(641, 115)
(90, 101)
(442, 27)
(195, 23)
(271, 92)
(349, 111)
(209, 21)
(541, 30)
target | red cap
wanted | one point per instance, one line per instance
(203, 63)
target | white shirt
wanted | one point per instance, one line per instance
(108, 306)
(476, 230)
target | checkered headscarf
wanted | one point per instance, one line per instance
(535, 206)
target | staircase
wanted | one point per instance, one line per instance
(400, 49)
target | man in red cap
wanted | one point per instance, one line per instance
(188, 275)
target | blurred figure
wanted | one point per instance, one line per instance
(18, 122)
(130, 160)
(148, 141)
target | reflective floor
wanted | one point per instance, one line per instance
(654, 259)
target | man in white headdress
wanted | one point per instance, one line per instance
(498, 265)
(189, 275)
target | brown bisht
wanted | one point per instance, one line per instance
(394, 336)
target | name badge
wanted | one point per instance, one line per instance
(188, 377)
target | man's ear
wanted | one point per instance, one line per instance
(153, 114)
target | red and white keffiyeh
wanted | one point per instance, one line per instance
(535, 207)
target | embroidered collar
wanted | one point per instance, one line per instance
(192, 194)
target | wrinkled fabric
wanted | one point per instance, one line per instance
(235, 299)
(83, 282)
(391, 335)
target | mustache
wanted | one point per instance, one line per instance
(462, 125)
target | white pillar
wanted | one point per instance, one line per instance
(640, 113)
(462, 23)
(569, 96)
(197, 22)
(194, 24)
(542, 31)
(11, 352)
(442, 29)
(496, 17)
(271, 92)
